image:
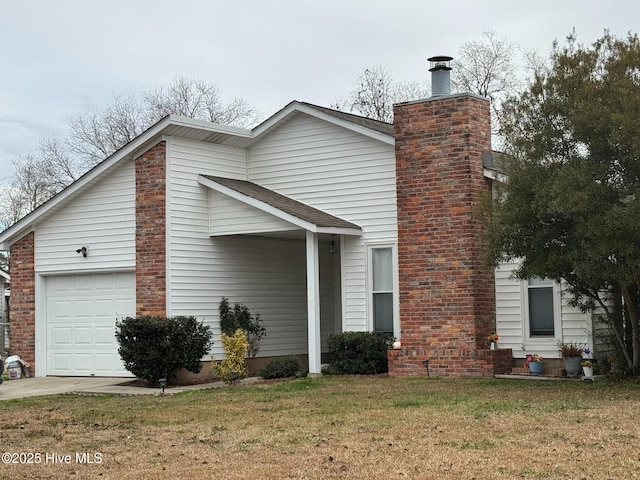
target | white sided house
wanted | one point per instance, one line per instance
(320, 221)
(293, 218)
(534, 315)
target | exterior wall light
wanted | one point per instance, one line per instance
(333, 246)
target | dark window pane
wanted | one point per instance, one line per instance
(383, 312)
(541, 312)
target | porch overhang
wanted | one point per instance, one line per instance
(296, 214)
(251, 207)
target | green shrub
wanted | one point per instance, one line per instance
(154, 347)
(359, 352)
(241, 317)
(233, 367)
(281, 367)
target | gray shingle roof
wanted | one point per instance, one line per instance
(283, 203)
(378, 126)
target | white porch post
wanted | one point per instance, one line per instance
(313, 303)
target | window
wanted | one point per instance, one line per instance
(382, 289)
(541, 308)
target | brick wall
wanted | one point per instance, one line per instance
(447, 295)
(22, 301)
(151, 295)
(404, 362)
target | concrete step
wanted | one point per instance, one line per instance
(547, 372)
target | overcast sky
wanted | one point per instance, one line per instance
(62, 57)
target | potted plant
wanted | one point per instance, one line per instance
(587, 367)
(534, 364)
(571, 353)
(493, 340)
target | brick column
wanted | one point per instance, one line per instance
(151, 278)
(447, 295)
(22, 302)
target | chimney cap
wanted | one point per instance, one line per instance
(440, 62)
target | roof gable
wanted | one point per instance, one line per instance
(196, 130)
(365, 126)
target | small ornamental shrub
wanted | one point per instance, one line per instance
(363, 353)
(281, 367)
(232, 368)
(240, 316)
(571, 349)
(153, 347)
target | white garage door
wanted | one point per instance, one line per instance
(81, 316)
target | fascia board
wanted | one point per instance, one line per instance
(493, 175)
(209, 126)
(340, 231)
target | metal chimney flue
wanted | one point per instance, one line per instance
(440, 75)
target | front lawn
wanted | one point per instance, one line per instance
(347, 427)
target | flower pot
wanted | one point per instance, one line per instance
(493, 346)
(588, 371)
(535, 368)
(572, 366)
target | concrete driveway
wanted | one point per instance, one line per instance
(36, 386)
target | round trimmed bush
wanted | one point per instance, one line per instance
(281, 367)
(153, 347)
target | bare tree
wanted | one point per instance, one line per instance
(487, 68)
(30, 186)
(197, 99)
(408, 91)
(60, 164)
(375, 93)
(95, 135)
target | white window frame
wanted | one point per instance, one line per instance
(395, 283)
(557, 314)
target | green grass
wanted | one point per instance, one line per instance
(340, 427)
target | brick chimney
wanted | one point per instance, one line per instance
(447, 295)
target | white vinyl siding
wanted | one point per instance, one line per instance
(266, 274)
(102, 219)
(354, 287)
(193, 265)
(575, 325)
(343, 173)
(229, 216)
(208, 159)
(509, 314)
(512, 317)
